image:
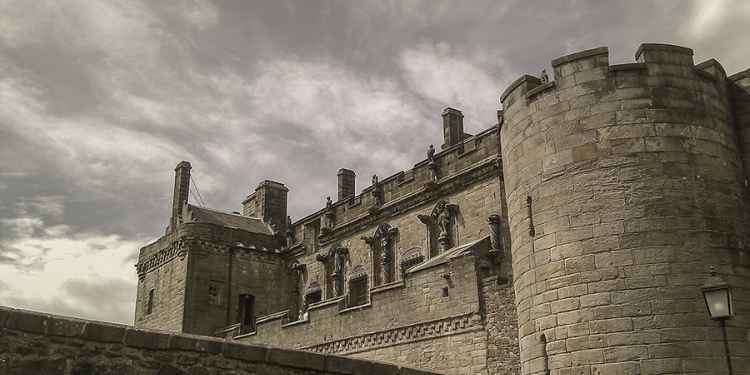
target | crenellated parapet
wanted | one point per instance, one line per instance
(623, 183)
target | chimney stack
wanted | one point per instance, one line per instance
(268, 202)
(453, 127)
(181, 192)
(346, 183)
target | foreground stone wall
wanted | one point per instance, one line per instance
(39, 344)
(624, 183)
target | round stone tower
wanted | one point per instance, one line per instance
(624, 183)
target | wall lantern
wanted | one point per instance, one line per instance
(718, 297)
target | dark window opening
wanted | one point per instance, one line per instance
(358, 291)
(313, 297)
(150, 302)
(247, 313)
(214, 295)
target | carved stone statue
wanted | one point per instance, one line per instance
(329, 202)
(544, 76)
(338, 270)
(431, 154)
(444, 225)
(496, 237)
(374, 179)
(289, 233)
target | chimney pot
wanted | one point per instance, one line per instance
(453, 127)
(346, 181)
(181, 192)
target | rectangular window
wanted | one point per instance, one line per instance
(150, 302)
(247, 313)
(358, 291)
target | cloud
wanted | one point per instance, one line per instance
(437, 72)
(81, 274)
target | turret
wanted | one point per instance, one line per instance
(623, 184)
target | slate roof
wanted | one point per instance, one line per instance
(205, 215)
(449, 254)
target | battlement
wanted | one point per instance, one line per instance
(588, 71)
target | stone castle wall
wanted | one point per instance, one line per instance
(32, 343)
(624, 182)
(411, 312)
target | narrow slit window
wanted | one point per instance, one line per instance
(150, 302)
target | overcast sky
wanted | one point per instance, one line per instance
(100, 100)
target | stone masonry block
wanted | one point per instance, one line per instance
(27, 321)
(296, 358)
(103, 332)
(253, 353)
(147, 339)
(611, 325)
(66, 327)
(624, 368)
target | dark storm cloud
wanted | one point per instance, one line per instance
(101, 99)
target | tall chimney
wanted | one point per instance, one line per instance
(268, 202)
(346, 183)
(453, 127)
(181, 191)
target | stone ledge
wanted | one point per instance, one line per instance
(580, 55)
(661, 47)
(521, 80)
(108, 333)
(539, 89)
(627, 67)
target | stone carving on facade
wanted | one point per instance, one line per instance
(377, 193)
(289, 233)
(335, 260)
(329, 218)
(441, 227)
(497, 241)
(432, 164)
(298, 304)
(544, 76)
(435, 328)
(382, 246)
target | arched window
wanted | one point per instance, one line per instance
(150, 302)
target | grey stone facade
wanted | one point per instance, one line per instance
(571, 238)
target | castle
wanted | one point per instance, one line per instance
(572, 237)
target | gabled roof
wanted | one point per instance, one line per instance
(205, 215)
(449, 254)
